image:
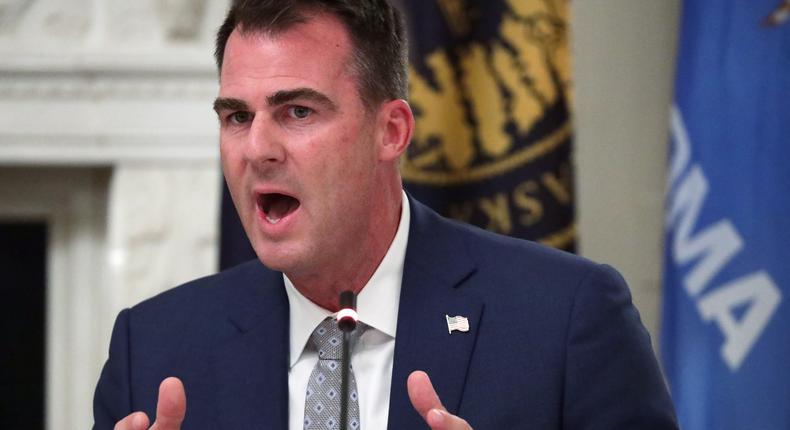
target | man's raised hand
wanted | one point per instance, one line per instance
(170, 409)
(425, 400)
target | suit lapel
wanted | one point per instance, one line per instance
(251, 371)
(437, 264)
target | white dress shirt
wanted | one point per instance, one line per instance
(377, 306)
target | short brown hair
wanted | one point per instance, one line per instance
(379, 52)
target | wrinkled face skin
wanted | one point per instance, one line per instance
(298, 147)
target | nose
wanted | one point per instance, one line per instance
(264, 146)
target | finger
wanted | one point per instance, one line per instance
(135, 421)
(171, 406)
(425, 400)
(439, 419)
(422, 395)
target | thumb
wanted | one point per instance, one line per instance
(422, 395)
(171, 406)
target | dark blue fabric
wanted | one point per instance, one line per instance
(554, 341)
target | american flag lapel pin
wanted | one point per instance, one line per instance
(457, 323)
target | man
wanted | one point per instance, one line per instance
(460, 328)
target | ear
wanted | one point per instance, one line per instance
(395, 123)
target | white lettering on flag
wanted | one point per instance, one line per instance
(713, 247)
(710, 249)
(759, 292)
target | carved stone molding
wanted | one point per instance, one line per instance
(11, 13)
(108, 24)
(66, 20)
(92, 150)
(163, 228)
(93, 85)
(103, 112)
(182, 19)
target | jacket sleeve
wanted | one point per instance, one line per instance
(112, 399)
(612, 378)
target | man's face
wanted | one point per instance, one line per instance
(297, 145)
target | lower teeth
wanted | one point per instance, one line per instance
(272, 220)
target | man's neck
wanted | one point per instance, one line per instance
(355, 268)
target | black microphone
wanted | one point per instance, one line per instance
(347, 316)
(346, 321)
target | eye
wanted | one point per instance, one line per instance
(299, 112)
(239, 117)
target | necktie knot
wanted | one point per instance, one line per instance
(328, 340)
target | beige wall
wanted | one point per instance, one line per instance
(624, 55)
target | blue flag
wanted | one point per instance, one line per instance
(726, 322)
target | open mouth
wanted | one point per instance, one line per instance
(276, 206)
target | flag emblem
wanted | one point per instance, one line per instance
(490, 85)
(458, 323)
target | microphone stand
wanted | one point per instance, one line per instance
(344, 384)
(346, 322)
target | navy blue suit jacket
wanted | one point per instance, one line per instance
(554, 343)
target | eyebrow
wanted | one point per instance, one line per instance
(278, 98)
(286, 96)
(225, 104)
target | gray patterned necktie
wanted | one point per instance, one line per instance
(322, 399)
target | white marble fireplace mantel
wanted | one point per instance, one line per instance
(107, 132)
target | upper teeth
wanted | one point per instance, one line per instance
(272, 219)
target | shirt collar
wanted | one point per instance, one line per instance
(377, 303)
